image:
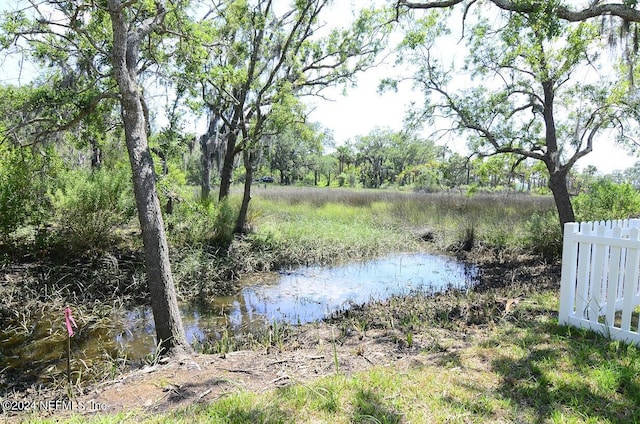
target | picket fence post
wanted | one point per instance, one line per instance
(569, 262)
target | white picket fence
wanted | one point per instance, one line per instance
(600, 286)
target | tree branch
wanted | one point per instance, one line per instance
(619, 10)
(588, 149)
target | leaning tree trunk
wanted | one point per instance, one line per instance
(164, 304)
(558, 186)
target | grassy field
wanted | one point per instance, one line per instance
(369, 221)
(521, 370)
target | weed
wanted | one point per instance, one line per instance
(543, 235)
(152, 359)
(335, 352)
(468, 239)
(360, 325)
(90, 206)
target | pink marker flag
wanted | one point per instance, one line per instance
(69, 320)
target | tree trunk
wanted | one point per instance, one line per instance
(208, 147)
(96, 155)
(205, 182)
(164, 304)
(241, 222)
(557, 173)
(558, 186)
(227, 166)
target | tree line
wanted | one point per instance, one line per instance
(385, 158)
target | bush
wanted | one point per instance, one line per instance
(89, 206)
(171, 187)
(225, 222)
(22, 188)
(607, 200)
(543, 235)
(202, 223)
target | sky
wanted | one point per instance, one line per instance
(362, 109)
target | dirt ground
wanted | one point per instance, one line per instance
(198, 378)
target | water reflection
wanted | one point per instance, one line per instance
(304, 295)
(311, 293)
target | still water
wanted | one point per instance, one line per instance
(304, 295)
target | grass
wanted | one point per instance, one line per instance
(372, 220)
(330, 233)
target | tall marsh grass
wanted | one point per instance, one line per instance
(332, 232)
(345, 222)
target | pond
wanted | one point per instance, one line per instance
(296, 296)
(304, 295)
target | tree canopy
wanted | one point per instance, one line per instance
(528, 93)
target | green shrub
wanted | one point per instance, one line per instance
(171, 187)
(22, 188)
(204, 223)
(501, 237)
(606, 200)
(543, 235)
(225, 222)
(89, 206)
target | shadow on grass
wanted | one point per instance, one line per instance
(565, 373)
(237, 409)
(370, 408)
(478, 407)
